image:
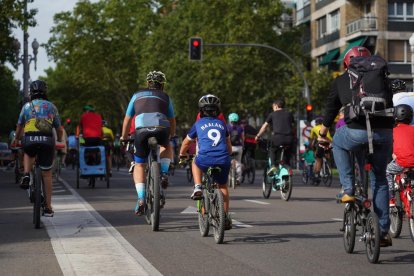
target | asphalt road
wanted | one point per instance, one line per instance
(95, 232)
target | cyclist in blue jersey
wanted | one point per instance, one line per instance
(214, 148)
(37, 139)
(154, 117)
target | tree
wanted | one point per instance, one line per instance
(9, 98)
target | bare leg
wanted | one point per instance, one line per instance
(139, 173)
(224, 189)
(47, 180)
(28, 163)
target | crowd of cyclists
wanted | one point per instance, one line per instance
(215, 141)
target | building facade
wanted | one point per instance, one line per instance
(332, 27)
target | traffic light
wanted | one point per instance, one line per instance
(68, 121)
(195, 48)
(309, 112)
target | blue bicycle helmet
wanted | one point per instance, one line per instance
(233, 117)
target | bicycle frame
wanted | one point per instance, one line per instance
(405, 182)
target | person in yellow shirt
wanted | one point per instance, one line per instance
(319, 151)
(108, 139)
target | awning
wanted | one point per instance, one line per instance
(329, 57)
(356, 42)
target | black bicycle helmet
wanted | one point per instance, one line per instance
(208, 101)
(403, 113)
(38, 89)
(398, 85)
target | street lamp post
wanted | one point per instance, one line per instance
(412, 56)
(26, 59)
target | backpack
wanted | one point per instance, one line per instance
(235, 136)
(371, 93)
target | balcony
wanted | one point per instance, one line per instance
(303, 15)
(362, 25)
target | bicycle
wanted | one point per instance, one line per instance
(307, 172)
(57, 166)
(248, 168)
(210, 207)
(358, 213)
(326, 170)
(233, 171)
(279, 181)
(154, 197)
(404, 203)
(187, 163)
(17, 151)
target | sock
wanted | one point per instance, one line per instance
(140, 187)
(165, 164)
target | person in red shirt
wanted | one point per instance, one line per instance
(403, 148)
(91, 126)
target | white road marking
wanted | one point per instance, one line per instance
(240, 224)
(257, 201)
(59, 191)
(190, 210)
(86, 244)
(337, 219)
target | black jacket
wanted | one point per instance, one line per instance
(341, 95)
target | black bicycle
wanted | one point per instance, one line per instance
(154, 195)
(358, 213)
(210, 207)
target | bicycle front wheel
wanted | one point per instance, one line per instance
(203, 207)
(37, 197)
(218, 216)
(155, 179)
(396, 216)
(349, 230)
(372, 242)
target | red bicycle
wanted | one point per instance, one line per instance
(404, 203)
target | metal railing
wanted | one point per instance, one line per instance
(361, 24)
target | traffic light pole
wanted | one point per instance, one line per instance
(305, 83)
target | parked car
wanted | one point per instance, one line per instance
(6, 154)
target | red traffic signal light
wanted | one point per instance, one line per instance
(308, 107)
(68, 121)
(195, 48)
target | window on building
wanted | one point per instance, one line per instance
(335, 21)
(321, 22)
(401, 11)
(399, 51)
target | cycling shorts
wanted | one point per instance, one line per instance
(221, 177)
(141, 141)
(93, 142)
(41, 145)
(320, 152)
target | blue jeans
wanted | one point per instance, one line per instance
(356, 140)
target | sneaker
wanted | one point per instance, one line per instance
(345, 198)
(392, 202)
(385, 240)
(48, 212)
(272, 171)
(164, 181)
(140, 207)
(228, 224)
(197, 193)
(25, 181)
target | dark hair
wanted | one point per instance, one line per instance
(280, 103)
(156, 85)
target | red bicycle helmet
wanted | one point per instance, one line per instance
(355, 52)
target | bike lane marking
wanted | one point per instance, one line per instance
(86, 244)
(257, 201)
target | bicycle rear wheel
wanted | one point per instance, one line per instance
(189, 175)
(372, 242)
(203, 208)
(286, 189)
(37, 197)
(218, 216)
(155, 195)
(349, 228)
(251, 172)
(267, 184)
(305, 177)
(396, 217)
(232, 176)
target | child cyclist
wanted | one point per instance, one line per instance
(403, 149)
(214, 148)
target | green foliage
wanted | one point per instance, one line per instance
(104, 51)
(9, 101)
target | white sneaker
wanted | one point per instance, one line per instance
(198, 191)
